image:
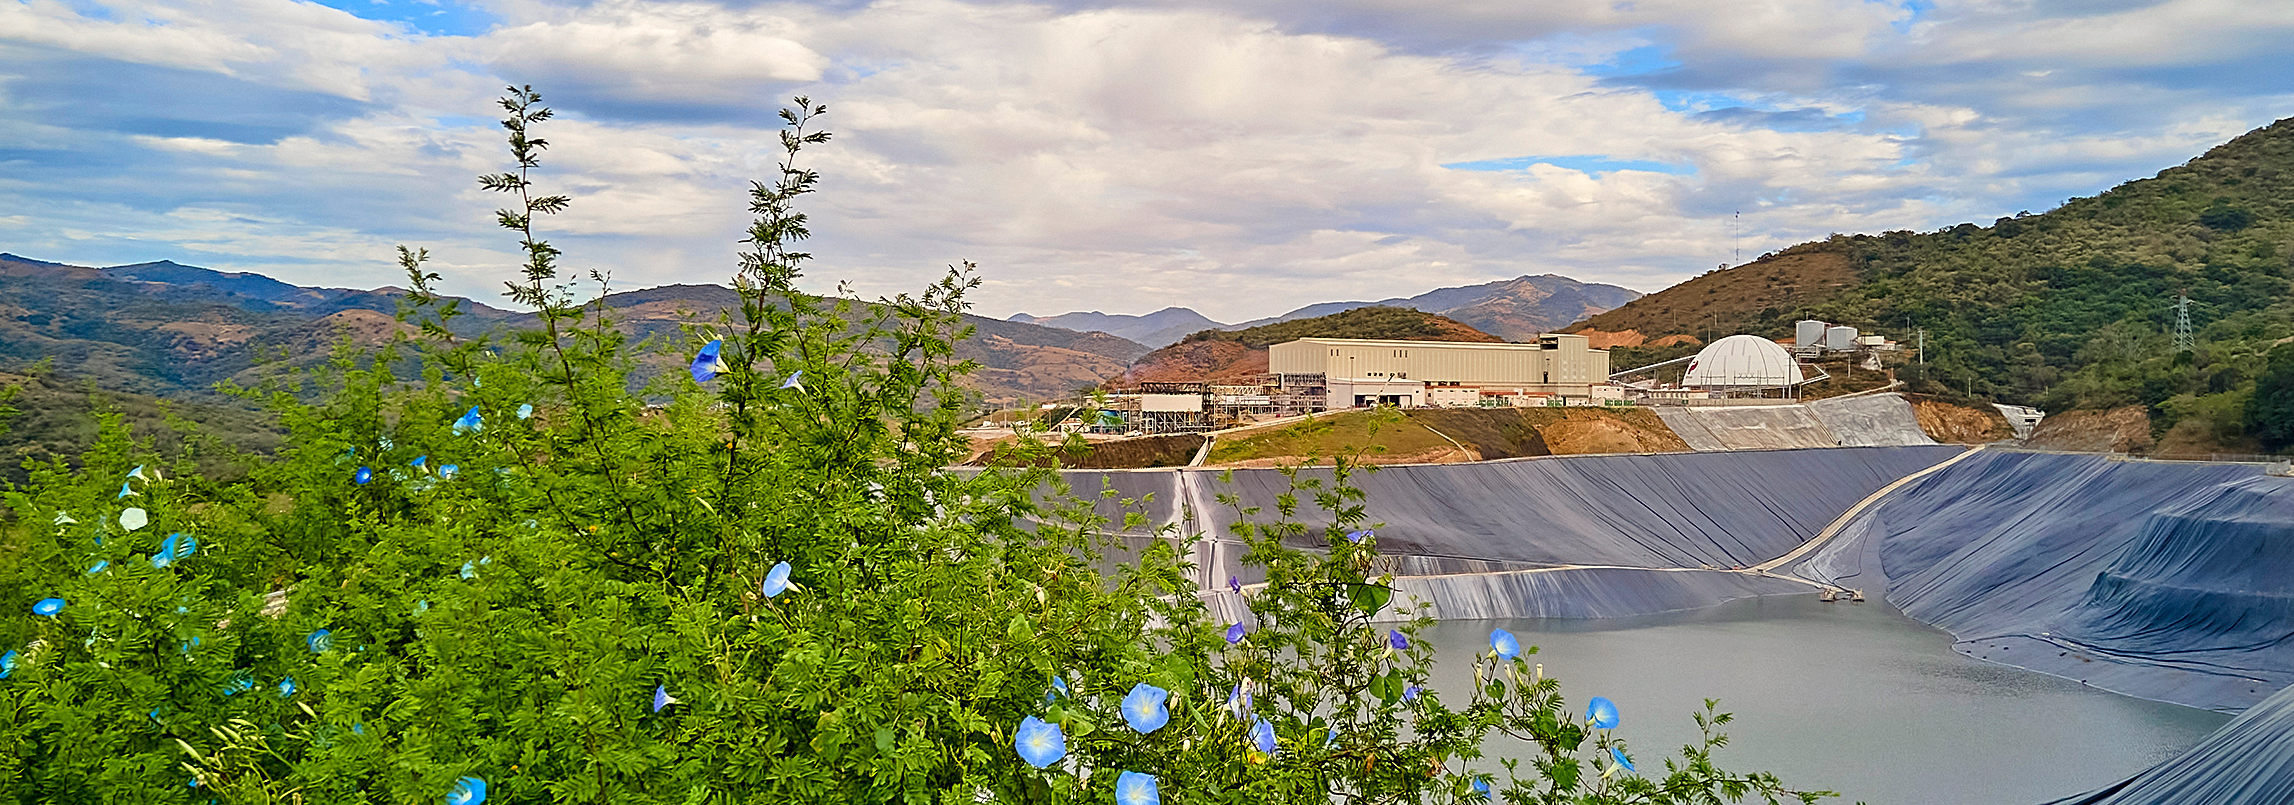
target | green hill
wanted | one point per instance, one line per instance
(2075, 307)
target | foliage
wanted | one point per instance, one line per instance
(2075, 307)
(766, 589)
(2270, 412)
(1362, 322)
(52, 419)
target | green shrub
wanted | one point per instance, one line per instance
(514, 570)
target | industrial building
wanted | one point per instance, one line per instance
(1321, 374)
(1358, 372)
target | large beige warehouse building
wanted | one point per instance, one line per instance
(1443, 372)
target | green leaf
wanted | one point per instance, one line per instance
(1370, 598)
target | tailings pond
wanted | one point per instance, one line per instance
(1855, 698)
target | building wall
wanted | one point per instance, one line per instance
(1404, 393)
(1554, 360)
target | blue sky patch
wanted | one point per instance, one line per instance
(1643, 60)
(433, 17)
(1587, 163)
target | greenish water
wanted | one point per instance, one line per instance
(1855, 698)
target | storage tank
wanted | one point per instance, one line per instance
(1808, 334)
(1742, 361)
(1840, 338)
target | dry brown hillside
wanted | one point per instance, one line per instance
(1725, 301)
(1241, 355)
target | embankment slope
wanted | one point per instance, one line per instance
(2165, 580)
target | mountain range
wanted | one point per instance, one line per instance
(1515, 310)
(170, 329)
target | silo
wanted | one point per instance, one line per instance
(1840, 338)
(1808, 334)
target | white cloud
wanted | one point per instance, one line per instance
(1239, 159)
(655, 51)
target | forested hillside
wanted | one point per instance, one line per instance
(2077, 307)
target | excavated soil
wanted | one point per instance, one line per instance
(1426, 436)
(1951, 423)
(1173, 450)
(2118, 430)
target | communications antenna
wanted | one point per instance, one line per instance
(2182, 322)
(1736, 227)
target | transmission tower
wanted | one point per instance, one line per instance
(2182, 323)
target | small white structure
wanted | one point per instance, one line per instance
(1170, 403)
(1347, 392)
(1840, 338)
(1743, 362)
(1808, 335)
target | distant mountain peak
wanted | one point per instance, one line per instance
(17, 258)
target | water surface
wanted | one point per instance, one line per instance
(1855, 698)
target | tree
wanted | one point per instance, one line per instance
(2270, 413)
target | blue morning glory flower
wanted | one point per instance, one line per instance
(1144, 710)
(661, 698)
(470, 422)
(420, 463)
(363, 476)
(469, 570)
(177, 546)
(1358, 536)
(776, 581)
(709, 363)
(1602, 712)
(1396, 640)
(1410, 694)
(99, 566)
(1502, 642)
(134, 519)
(1133, 788)
(1262, 736)
(526, 411)
(467, 791)
(1058, 689)
(48, 607)
(1330, 738)
(448, 470)
(1622, 760)
(7, 663)
(320, 641)
(1235, 584)
(1235, 634)
(188, 645)
(238, 683)
(795, 381)
(1239, 700)
(1481, 788)
(1039, 742)
(124, 491)
(137, 474)
(286, 687)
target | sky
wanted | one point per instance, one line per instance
(1242, 158)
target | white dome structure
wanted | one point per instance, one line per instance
(1743, 361)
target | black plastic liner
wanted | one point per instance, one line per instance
(2164, 580)
(2249, 760)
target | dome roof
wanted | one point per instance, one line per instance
(1743, 360)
